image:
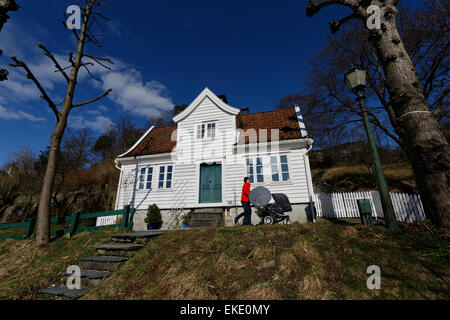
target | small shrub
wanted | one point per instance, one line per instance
(186, 218)
(154, 217)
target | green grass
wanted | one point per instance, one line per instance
(25, 268)
(285, 262)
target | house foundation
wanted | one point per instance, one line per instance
(299, 214)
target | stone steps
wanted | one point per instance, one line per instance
(117, 249)
(96, 268)
(102, 263)
(91, 278)
(64, 292)
(137, 237)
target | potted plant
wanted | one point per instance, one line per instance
(186, 219)
(153, 219)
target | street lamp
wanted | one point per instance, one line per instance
(356, 81)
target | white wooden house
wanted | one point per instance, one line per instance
(200, 161)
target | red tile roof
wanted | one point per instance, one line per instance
(285, 120)
(159, 140)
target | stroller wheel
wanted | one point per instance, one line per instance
(268, 220)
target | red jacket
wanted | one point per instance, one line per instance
(245, 192)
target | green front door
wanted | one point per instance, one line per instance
(210, 183)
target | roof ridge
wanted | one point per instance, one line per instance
(276, 110)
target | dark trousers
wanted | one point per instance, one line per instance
(247, 214)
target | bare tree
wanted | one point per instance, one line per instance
(417, 128)
(5, 7)
(77, 145)
(86, 35)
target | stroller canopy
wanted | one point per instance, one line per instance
(282, 200)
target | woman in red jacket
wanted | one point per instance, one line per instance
(247, 214)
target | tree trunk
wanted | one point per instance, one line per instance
(43, 219)
(423, 138)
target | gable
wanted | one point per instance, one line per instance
(201, 98)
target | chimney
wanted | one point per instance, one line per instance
(223, 98)
(245, 111)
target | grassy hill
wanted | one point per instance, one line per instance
(399, 177)
(320, 261)
(314, 261)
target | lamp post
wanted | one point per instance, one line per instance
(356, 81)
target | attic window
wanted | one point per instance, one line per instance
(206, 131)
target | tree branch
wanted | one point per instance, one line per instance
(315, 6)
(20, 64)
(93, 100)
(52, 57)
(335, 25)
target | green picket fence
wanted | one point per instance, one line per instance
(75, 224)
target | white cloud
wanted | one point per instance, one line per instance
(18, 115)
(130, 89)
(136, 96)
(99, 123)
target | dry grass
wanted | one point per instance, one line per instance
(358, 178)
(285, 262)
(25, 268)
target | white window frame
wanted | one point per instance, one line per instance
(203, 131)
(165, 176)
(253, 162)
(143, 181)
(279, 166)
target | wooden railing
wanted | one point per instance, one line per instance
(75, 224)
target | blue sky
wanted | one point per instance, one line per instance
(166, 52)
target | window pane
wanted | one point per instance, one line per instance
(276, 177)
(260, 178)
(169, 176)
(258, 161)
(252, 179)
(273, 160)
(286, 176)
(149, 178)
(161, 177)
(284, 168)
(170, 169)
(284, 159)
(259, 169)
(169, 184)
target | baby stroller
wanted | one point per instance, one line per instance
(272, 213)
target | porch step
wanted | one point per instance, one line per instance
(205, 223)
(209, 211)
(137, 237)
(64, 292)
(206, 216)
(102, 263)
